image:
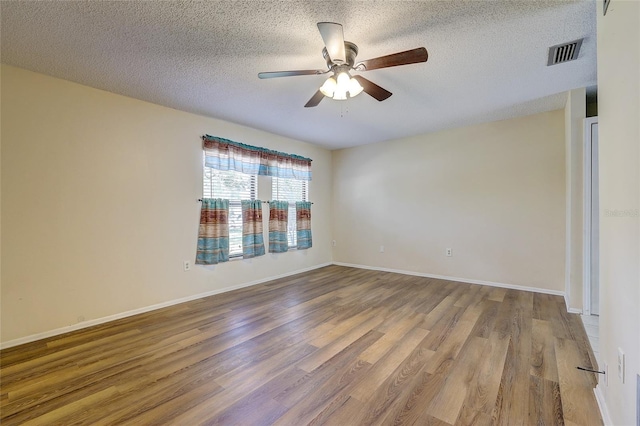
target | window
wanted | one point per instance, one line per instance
(290, 190)
(233, 186)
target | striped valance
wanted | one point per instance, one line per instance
(223, 154)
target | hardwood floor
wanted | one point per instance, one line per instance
(336, 346)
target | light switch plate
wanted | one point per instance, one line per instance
(621, 366)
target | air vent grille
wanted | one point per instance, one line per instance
(565, 52)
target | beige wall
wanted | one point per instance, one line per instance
(494, 193)
(574, 115)
(619, 143)
(99, 210)
(99, 204)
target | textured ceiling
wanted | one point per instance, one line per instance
(487, 59)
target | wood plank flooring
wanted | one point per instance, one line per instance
(336, 346)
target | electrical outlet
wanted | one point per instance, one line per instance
(186, 265)
(333, 243)
(621, 365)
(449, 252)
(381, 249)
(606, 374)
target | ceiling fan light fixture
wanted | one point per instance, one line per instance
(339, 86)
(343, 81)
(354, 87)
(340, 95)
(342, 88)
(329, 87)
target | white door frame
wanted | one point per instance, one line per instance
(586, 231)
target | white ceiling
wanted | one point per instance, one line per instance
(487, 59)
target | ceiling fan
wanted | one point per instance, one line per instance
(340, 56)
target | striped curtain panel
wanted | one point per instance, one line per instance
(213, 234)
(252, 239)
(278, 217)
(303, 224)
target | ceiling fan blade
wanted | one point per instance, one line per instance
(315, 99)
(372, 89)
(274, 74)
(402, 58)
(333, 38)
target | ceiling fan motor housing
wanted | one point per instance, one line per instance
(350, 53)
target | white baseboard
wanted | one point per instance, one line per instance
(463, 280)
(571, 310)
(97, 321)
(602, 405)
